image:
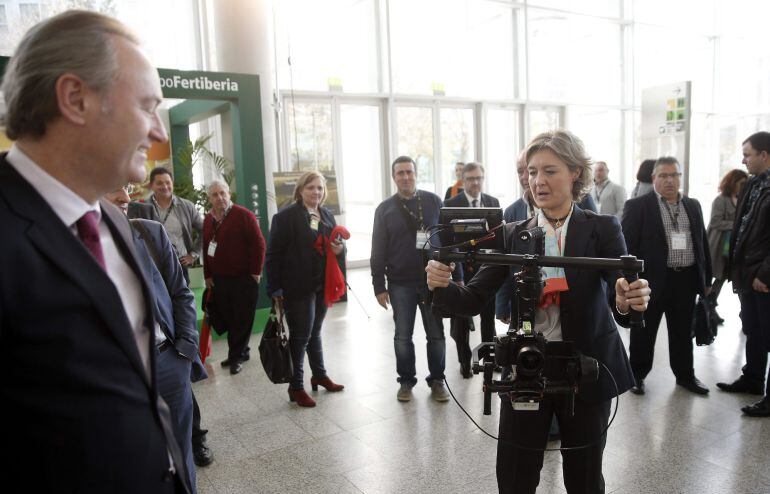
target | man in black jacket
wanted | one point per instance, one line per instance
(750, 271)
(472, 197)
(666, 229)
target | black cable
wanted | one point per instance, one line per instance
(527, 448)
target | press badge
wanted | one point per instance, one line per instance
(212, 249)
(678, 241)
(422, 240)
(526, 406)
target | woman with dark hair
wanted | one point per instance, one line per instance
(643, 179)
(296, 262)
(719, 230)
(577, 305)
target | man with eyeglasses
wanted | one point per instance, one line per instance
(472, 197)
(666, 229)
(176, 333)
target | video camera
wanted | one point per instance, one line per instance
(532, 365)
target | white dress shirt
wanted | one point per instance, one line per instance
(69, 208)
(471, 199)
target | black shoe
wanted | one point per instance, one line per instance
(225, 363)
(638, 388)
(693, 385)
(758, 409)
(236, 368)
(202, 455)
(742, 385)
(465, 370)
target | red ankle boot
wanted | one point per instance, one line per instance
(301, 398)
(326, 383)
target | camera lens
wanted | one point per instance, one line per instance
(529, 361)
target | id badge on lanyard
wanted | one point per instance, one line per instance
(422, 240)
(678, 241)
(212, 248)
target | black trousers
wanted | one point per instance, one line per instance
(518, 470)
(235, 298)
(755, 316)
(677, 302)
(461, 327)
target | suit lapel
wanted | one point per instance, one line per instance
(579, 231)
(56, 242)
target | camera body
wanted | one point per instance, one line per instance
(532, 365)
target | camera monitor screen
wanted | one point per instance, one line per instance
(465, 224)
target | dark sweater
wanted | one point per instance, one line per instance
(394, 252)
(240, 244)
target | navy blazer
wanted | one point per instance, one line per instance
(83, 413)
(646, 239)
(290, 258)
(587, 308)
(173, 303)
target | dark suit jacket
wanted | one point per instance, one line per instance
(82, 413)
(173, 302)
(290, 260)
(646, 239)
(587, 309)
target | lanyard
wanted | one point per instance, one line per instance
(417, 217)
(674, 216)
(157, 209)
(218, 224)
(599, 192)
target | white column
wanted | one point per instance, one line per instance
(244, 43)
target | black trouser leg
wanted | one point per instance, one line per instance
(642, 347)
(488, 330)
(236, 301)
(681, 293)
(198, 434)
(755, 316)
(459, 330)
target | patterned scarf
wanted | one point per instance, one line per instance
(555, 279)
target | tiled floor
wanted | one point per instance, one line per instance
(363, 441)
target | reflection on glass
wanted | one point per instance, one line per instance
(457, 142)
(502, 151)
(600, 131)
(463, 44)
(559, 69)
(362, 188)
(542, 120)
(322, 38)
(310, 136)
(415, 139)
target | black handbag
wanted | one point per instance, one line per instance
(704, 327)
(274, 348)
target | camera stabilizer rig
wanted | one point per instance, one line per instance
(532, 366)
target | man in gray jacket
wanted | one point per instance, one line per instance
(609, 197)
(183, 223)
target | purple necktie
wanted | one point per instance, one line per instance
(88, 232)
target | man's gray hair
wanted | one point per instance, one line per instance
(217, 182)
(473, 165)
(666, 160)
(74, 42)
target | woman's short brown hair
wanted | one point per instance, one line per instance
(729, 184)
(569, 148)
(305, 179)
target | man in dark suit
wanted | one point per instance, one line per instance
(666, 229)
(80, 391)
(472, 197)
(178, 362)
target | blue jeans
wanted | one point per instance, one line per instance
(305, 315)
(405, 299)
